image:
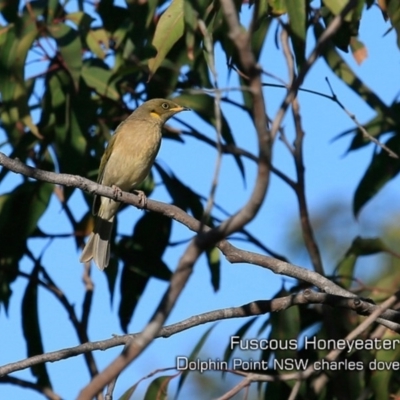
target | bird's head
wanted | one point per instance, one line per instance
(160, 109)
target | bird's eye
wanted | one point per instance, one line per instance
(165, 106)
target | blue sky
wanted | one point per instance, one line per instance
(329, 177)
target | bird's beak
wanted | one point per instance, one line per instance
(180, 108)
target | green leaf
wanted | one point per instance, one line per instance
(70, 126)
(190, 17)
(277, 7)
(263, 22)
(379, 125)
(214, 264)
(8, 273)
(97, 76)
(31, 328)
(20, 151)
(142, 257)
(18, 40)
(52, 9)
(297, 17)
(112, 16)
(393, 11)
(133, 283)
(382, 378)
(336, 6)
(285, 326)
(9, 10)
(129, 392)
(152, 233)
(194, 354)
(20, 212)
(95, 39)
(241, 332)
(70, 145)
(203, 105)
(183, 197)
(151, 9)
(121, 32)
(297, 23)
(111, 274)
(359, 247)
(165, 82)
(381, 170)
(345, 269)
(169, 30)
(70, 46)
(158, 389)
(81, 19)
(358, 50)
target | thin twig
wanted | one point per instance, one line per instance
(307, 230)
(362, 129)
(208, 44)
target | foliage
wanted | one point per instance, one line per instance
(98, 64)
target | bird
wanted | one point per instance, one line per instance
(125, 164)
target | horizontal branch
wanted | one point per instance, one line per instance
(254, 308)
(232, 253)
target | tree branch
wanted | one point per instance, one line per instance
(232, 253)
(46, 391)
(389, 318)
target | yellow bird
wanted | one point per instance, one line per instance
(126, 162)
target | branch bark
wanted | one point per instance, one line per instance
(388, 318)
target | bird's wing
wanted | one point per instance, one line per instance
(103, 163)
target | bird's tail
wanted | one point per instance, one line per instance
(98, 244)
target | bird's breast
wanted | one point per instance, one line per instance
(133, 154)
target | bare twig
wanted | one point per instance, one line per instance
(362, 129)
(208, 44)
(307, 230)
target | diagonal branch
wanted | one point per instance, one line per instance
(300, 186)
(232, 253)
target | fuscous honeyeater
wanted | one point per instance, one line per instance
(126, 162)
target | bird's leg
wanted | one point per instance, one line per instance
(117, 192)
(142, 198)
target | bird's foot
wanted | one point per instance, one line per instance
(142, 198)
(117, 192)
